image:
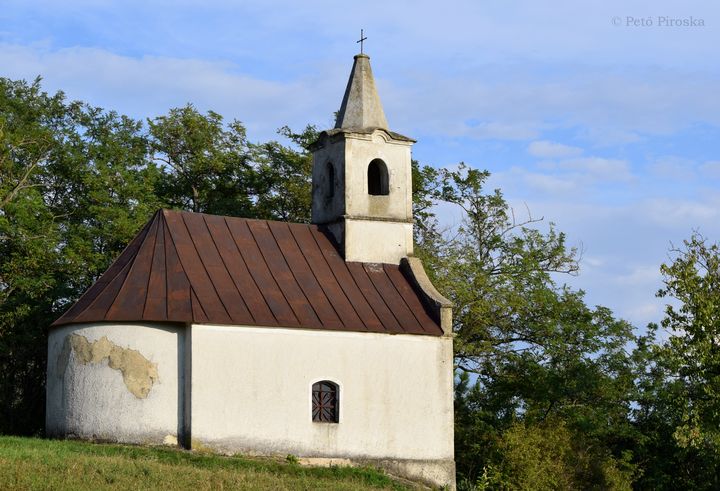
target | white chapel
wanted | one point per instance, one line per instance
(325, 341)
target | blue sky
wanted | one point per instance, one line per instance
(603, 117)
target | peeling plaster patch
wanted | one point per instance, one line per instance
(138, 372)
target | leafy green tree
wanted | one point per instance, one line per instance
(75, 186)
(28, 252)
(210, 167)
(536, 351)
(283, 176)
(101, 186)
(549, 456)
(205, 164)
(25, 144)
(504, 266)
(426, 228)
(693, 351)
(678, 413)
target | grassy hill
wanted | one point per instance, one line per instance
(32, 463)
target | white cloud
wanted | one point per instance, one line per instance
(548, 149)
(674, 213)
(674, 167)
(592, 169)
(547, 183)
(568, 177)
(502, 131)
(608, 135)
(711, 169)
(604, 107)
(640, 275)
(593, 261)
(643, 313)
(149, 86)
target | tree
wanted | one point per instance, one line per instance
(28, 252)
(283, 177)
(549, 456)
(75, 186)
(678, 413)
(537, 353)
(210, 167)
(205, 165)
(693, 351)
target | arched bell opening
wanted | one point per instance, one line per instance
(377, 178)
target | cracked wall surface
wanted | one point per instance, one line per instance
(139, 374)
(116, 381)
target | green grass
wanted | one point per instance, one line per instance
(33, 463)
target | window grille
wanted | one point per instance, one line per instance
(325, 402)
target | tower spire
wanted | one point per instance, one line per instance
(361, 106)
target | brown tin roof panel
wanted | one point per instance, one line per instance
(325, 278)
(129, 303)
(305, 276)
(260, 273)
(374, 299)
(156, 300)
(200, 281)
(282, 274)
(223, 287)
(179, 302)
(344, 278)
(406, 291)
(195, 268)
(233, 261)
(119, 267)
(407, 321)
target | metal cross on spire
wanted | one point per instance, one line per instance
(362, 38)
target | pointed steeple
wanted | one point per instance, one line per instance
(361, 106)
(362, 177)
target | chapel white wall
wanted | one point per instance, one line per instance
(91, 400)
(251, 392)
(248, 389)
(371, 241)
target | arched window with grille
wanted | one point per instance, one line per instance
(377, 178)
(325, 402)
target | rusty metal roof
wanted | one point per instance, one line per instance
(197, 268)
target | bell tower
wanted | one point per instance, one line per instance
(362, 177)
